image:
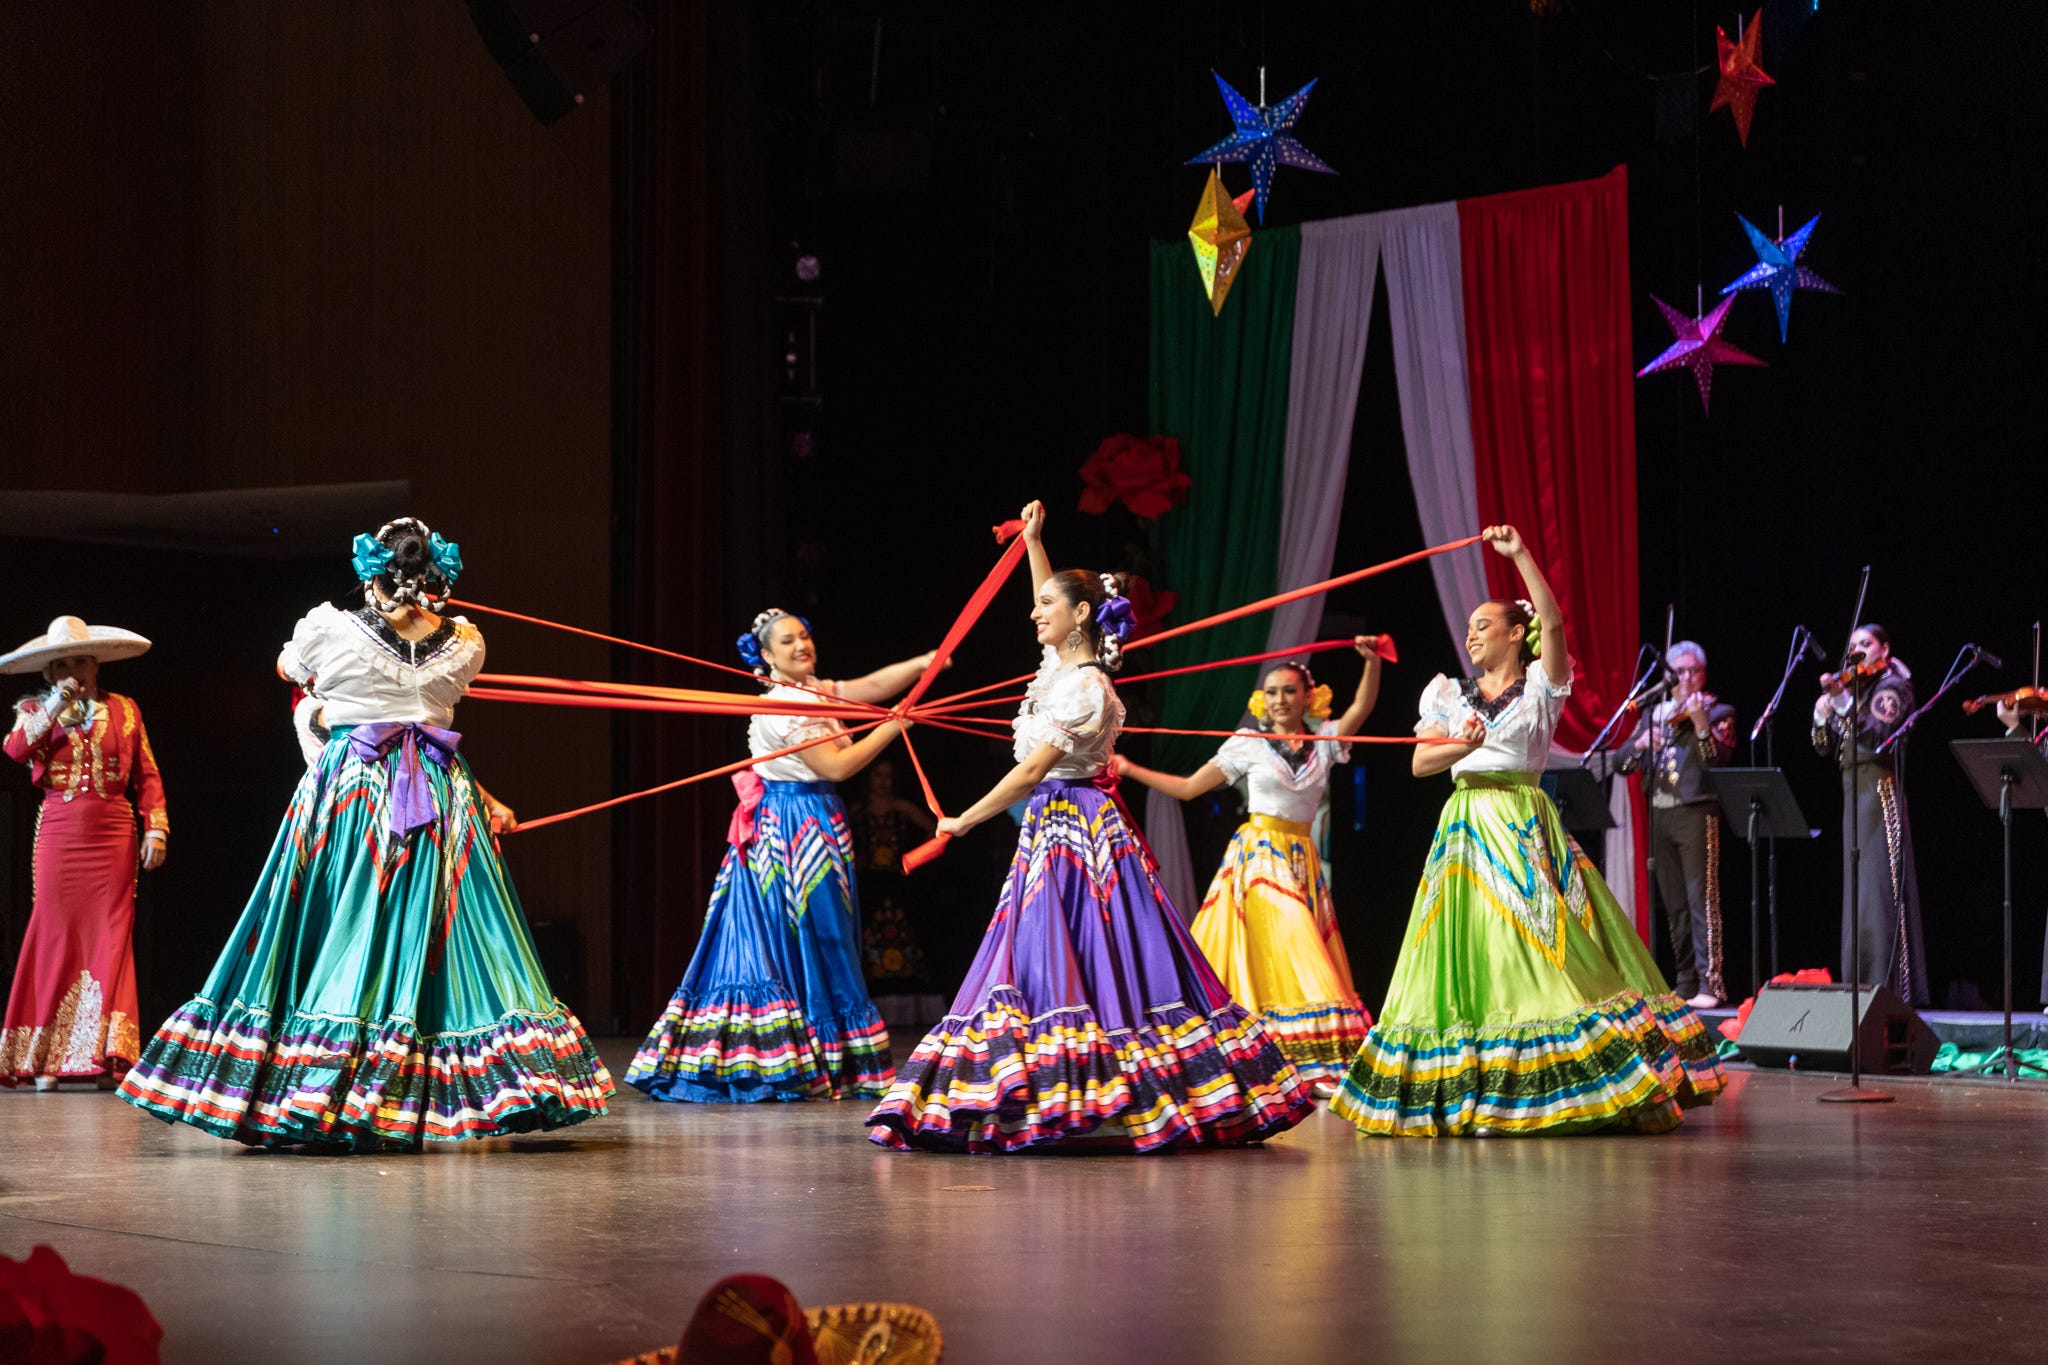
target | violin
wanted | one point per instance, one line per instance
(1855, 673)
(1683, 711)
(2028, 701)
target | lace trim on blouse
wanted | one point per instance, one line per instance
(412, 653)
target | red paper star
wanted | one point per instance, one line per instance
(1697, 346)
(1741, 77)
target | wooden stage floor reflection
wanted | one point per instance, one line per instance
(1770, 1227)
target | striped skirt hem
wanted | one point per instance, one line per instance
(1002, 1080)
(365, 1085)
(1608, 1065)
(745, 1046)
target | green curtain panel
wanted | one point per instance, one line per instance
(1219, 385)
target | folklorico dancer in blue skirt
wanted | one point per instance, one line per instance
(1523, 1001)
(774, 1005)
(381, 988)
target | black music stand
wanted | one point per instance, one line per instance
(2008, 774)
(1771, 812)
(1581, 801)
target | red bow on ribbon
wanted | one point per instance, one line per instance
(750, 787)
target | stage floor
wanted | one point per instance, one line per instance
(1769, 1227)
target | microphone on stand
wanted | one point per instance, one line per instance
(1653, 692)
(1985, 656)
(1810, 646)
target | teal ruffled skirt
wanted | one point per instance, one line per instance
(379, 990)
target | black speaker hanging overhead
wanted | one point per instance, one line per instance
(555, 52)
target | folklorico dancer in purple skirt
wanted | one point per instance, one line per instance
(1089, 1018)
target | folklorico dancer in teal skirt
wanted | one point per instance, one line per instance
(1523, 1001)
(381, 988)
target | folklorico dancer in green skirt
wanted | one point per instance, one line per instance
(1523, 1001)
(381, 988)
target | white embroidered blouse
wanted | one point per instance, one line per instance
(1074, 708)
(359, 670)
(766, 734)
(1519, 722)
(1277, 787)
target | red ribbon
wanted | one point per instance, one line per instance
(1110, 784)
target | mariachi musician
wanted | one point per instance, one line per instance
(1888, 950)
(1675, 743)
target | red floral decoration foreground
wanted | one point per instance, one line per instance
(52, 1317)
(1141, 472)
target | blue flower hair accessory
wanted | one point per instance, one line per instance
(447, 557)
(371, 558)
(1116, 617)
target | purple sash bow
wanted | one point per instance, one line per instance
(412, 795)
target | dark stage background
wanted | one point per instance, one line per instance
(260, 247)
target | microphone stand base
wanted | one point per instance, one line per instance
(1855, 1094)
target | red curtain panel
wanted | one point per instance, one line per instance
(1551, 377)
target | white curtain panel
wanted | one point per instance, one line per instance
(1426, 307)
(1333, 292)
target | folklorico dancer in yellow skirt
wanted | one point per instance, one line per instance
(1267, 925)
(1523, 1001)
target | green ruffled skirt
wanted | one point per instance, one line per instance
(1523, 1001)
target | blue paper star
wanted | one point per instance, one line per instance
(1263, 138)
(1777, 269)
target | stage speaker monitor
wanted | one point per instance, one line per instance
(1807, 1027)
(557, 51)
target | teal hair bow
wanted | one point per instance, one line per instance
(447, 557)
(372, 557)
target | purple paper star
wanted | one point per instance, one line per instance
(1697, 346)
(1777, 269)
(1263, 138)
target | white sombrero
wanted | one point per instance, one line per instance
(68, 636)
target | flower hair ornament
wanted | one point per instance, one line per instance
(371, 557)
(756, 635)
(1319, 695)
(1116, 619)
(1532, 634)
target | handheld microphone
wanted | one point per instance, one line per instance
(1987, 657)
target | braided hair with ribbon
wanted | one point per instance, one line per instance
(407, 563)
(1110, 615)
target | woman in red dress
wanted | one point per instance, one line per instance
(71, 1013)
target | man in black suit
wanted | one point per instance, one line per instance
(1687, 733)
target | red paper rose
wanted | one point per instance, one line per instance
(1142, 472)
(1149, 609)
(52, 1317)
